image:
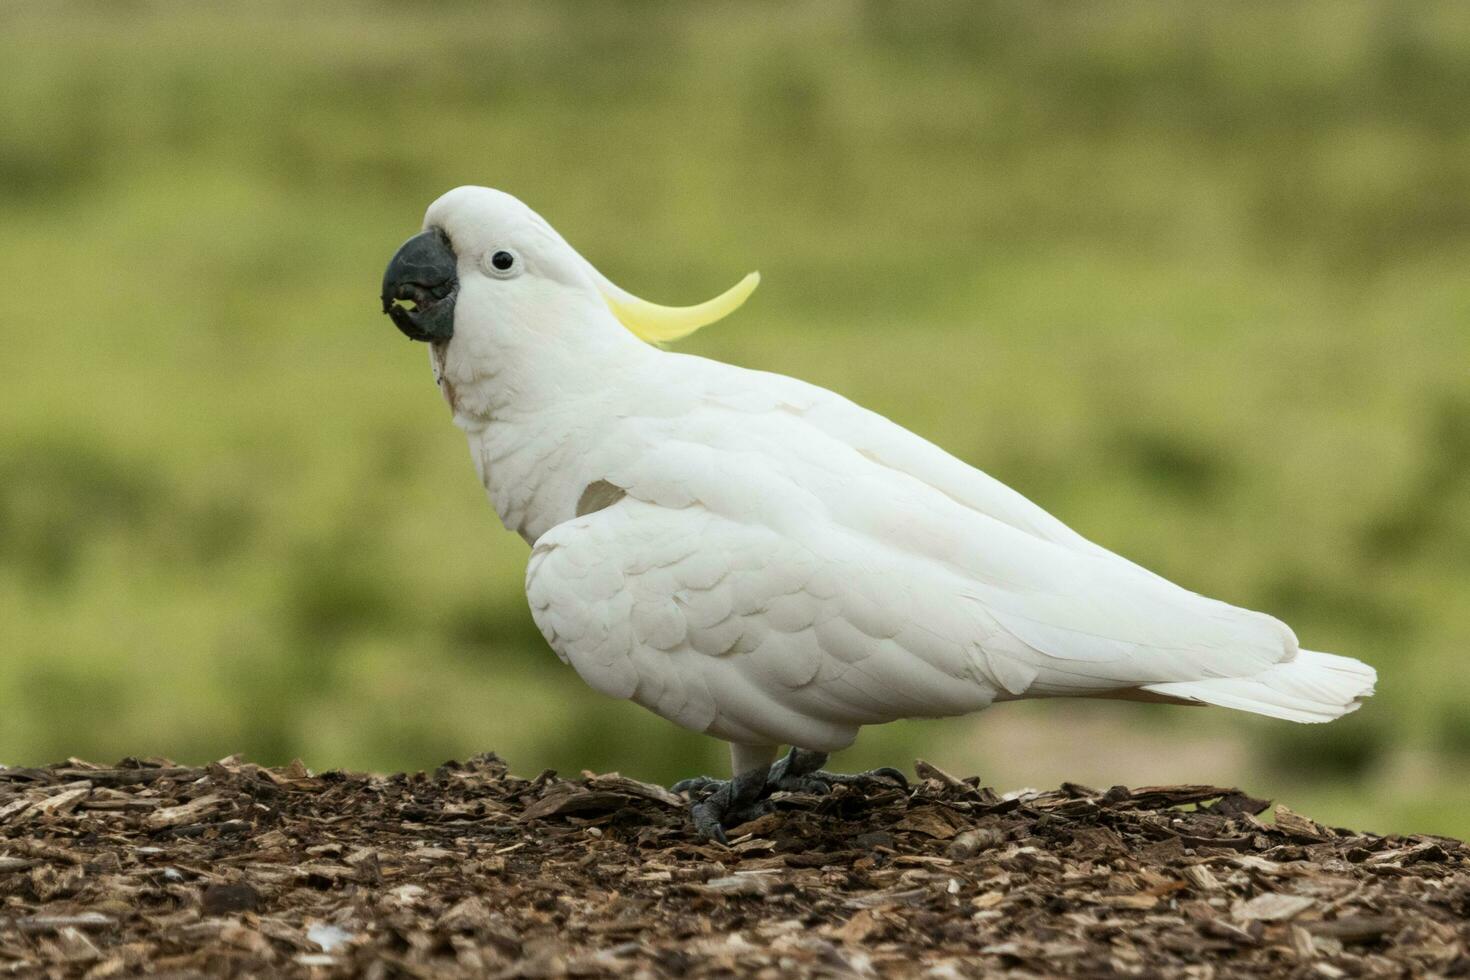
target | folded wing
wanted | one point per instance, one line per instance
(807, 567)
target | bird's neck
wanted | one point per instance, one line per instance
(532, 409)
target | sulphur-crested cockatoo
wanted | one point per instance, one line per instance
(760, 559)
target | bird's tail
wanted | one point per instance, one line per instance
(1310, 687)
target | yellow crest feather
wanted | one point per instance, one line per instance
(658, 324)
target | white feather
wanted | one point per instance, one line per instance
(786, 567)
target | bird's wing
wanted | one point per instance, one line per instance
(1092, 617)
(762, 620)
(733, 628)
(884, 443)
(767, 577)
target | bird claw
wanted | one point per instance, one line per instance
(821, 781)
(719, 803)
(883, 775)
(724, 802)
(710, 821)
(697, 784)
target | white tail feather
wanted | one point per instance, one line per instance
(1311, 687)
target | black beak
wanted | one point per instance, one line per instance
(420, 286)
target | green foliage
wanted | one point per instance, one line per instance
(1192, 277)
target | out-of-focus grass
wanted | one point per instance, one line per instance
(1193, 278)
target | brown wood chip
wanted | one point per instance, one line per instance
(150, 868)
(185, 812)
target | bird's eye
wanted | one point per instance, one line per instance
(502, 263)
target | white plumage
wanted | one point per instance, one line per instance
(762, 560)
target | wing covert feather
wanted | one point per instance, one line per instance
(744, 649)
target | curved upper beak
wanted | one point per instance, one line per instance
(420, 286)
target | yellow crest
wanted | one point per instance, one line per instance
(658, 324)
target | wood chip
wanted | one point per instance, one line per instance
(857, 929)
(736, 885)
(56, 923)
(1296, 825)
(471, 871)
(971, 842)
(930, 821)
(1356, 928)
(926, 770)
(1202, 878)
(62, 802)
(1135, 901)
(1273, 907)
(189, 812)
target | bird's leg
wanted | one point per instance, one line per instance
(801, 772)
(742, 759)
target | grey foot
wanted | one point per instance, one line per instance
(721, 803)
(801, 772)
(718, 802)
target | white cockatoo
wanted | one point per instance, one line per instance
(760, 559)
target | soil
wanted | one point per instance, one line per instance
(233, 869)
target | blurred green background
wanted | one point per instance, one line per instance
(1191, 276)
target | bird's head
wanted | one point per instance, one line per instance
(485, 261)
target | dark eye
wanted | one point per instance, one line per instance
(502, 260)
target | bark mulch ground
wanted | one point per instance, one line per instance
(147, 867)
